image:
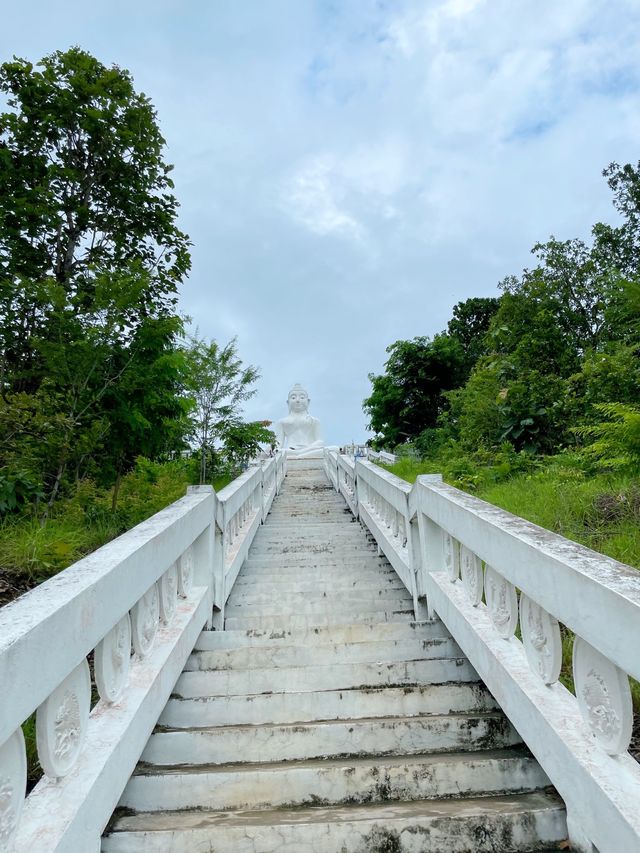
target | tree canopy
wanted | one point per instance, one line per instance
(537, 365)
(93, 373)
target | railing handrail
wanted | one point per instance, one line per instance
(154, 588)
(48, 631)
(581, 587)
(233, 495)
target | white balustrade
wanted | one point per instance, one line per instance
(383, 507)
(347, 482)
(481, 570)
(139, 604)
(382, 456)
(471, 562)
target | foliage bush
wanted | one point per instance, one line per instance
(616, 443)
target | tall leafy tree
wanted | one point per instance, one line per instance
(91, 257)
(84, 189)
(409, 396)
(218, 383)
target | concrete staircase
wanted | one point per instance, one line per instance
(324, 718)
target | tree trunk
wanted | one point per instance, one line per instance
(116, 491)
(203, 465)
(54, 491)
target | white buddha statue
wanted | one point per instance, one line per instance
(299, 433)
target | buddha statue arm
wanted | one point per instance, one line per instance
(316, 434)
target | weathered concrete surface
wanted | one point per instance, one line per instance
(325, 718)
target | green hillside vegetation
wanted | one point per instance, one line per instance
(102, 392)
(552, 364)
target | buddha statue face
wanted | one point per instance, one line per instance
(298, 400)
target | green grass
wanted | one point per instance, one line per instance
(83, 520)
(601, 511)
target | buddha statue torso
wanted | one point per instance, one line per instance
(299, 432)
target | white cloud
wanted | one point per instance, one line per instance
(315, 196)
(348, 171)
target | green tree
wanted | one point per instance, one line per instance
(243, 441)
(470, 324)
(90, 261)
(409, 396)
(218, 383)
(84, 189)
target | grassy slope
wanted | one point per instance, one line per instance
(30, 552)
(600, 511)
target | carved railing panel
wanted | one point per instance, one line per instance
(13, 783)
(604, 697)
(112, 659)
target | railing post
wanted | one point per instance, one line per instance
(263, 514)
(204, 552)
(431, 547)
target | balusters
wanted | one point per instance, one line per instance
(502, 602)
(61, 723)
(604, 697)
(111, 661)
(145, 616)
(451, 548)
(388, 514)
(185, 573)
(168, 587)
(402, 530)
(13, 784)
(471, 575)
(541, 639)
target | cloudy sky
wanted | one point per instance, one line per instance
(348, 170)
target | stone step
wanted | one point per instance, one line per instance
(372, 702)
(313, 514)
(343, 521)
(343, 526)
(334, 782)
(303, 605)
(270, 656)
(326, 575)
(302, 497)
(459, 825)
(317, 549)
(316, 620)
(317, 514)
(305, 679)
(244, 587)
(279, 539)
(330, 739)
(331, 564)
(285, 576)
(386, 632)
(297, 599)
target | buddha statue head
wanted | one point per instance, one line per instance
(298, 400)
